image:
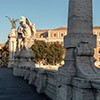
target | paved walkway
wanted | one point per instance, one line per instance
(15, 88)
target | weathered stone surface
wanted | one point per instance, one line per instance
(40, 81)
(80, 16)
(32, 77)
(23, 63)
(79, 71)
(51, 88)
(73, 40)
(12, 47)
(82, 94)
(81, 83)
(64, 92)
(97, 97)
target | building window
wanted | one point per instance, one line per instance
(99, 51)
(99, 34)
(62, 34)
(43, 35)
(55, 35)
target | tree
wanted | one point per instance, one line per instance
(39, 49)
(56, 53)
(48, 53)
(5, 52)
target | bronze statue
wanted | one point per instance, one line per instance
(13, 22)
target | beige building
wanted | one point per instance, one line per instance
(51, 35)
(57, 34)
(96, 31)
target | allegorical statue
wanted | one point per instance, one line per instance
(13, 22)
(25, 32)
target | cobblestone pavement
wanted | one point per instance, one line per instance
(15, 88)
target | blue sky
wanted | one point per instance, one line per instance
(44, 13)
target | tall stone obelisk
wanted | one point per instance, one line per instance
(80, 16)
(79, 43)
(80, 23)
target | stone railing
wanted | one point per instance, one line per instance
(44, 80)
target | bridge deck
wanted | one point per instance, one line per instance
(15, 88)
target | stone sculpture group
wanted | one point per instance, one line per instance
(25, 31)
(20, 40)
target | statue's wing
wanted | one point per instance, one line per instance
(17, 20)
(28, 22)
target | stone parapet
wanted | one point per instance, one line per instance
(43, 80)
(73, 40)
(51, 87)
(40, 81)
(81, 83)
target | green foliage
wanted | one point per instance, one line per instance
(5, 51)
(48, 53)
(39, 48)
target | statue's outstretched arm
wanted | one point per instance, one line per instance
(8, 18)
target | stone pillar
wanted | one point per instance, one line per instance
(12, 47)
(80, 16)
(79, 44)
(80, 36)
(80, 25)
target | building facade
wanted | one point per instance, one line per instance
(96, 31)
(51, 35)
(57, 35)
